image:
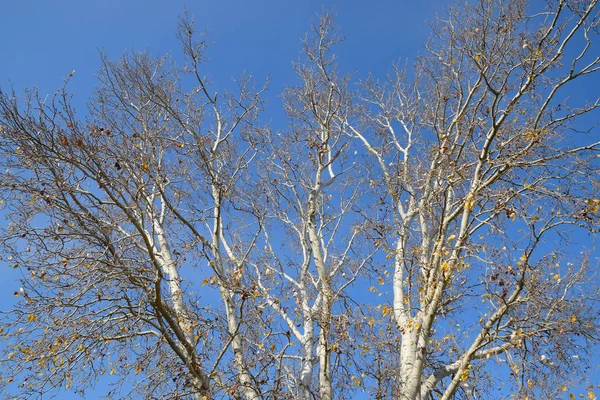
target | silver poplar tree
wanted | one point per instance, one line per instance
(412, 237)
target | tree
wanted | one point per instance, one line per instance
(172, 240)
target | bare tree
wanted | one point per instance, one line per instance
(172, 242)
(109, 209)
(480, 161)
(312, 195)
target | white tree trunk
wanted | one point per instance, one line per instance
(306, 373)
(200, 380)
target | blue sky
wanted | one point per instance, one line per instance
(42, 41)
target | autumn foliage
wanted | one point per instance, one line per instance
(414, 236)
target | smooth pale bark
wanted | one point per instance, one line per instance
(323, 349)
(245, 378)
(229, 300)
(200, 380)
(307, 364)
(326, 293)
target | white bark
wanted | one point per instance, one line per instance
(199, 378)
(229, 300)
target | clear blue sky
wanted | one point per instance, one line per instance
(42, 41)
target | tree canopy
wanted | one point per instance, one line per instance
(412, 236)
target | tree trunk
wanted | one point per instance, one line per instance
(244, 376)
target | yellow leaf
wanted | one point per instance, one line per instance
(10, 356)
(573, 319)
(31, 317)
(144, 166)
(113, 371)
(451, 237)
(470, 202)
(385, 310)
(529, 383)
(557, 276)
(445, 266)
(272, 347)
(593, 204)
